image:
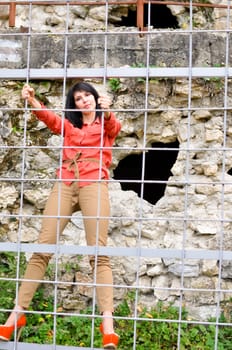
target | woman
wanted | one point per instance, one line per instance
(88, 136)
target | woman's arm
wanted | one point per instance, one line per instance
(52, 120)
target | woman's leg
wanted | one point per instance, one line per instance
(59, 206)
(94, 202)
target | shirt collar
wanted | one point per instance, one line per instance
(96, 121)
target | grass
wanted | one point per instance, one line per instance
(157, 328)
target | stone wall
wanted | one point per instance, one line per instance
(91, 18)
(195, 211)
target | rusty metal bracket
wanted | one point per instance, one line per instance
(12, 14)
(140, 15)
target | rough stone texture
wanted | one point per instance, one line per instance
(160, 226)
(88, 51)
(92, 18)
(199, 174)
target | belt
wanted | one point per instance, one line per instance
(73, 163)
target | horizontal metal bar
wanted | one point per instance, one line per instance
(30, 346)
(128, 72)
(117, 251)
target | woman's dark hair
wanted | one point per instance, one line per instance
(71, 112)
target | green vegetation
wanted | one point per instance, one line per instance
(8, 263)
(114, 84)
(17, 130)
(156, 329)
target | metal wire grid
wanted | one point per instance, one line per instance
(137, 252)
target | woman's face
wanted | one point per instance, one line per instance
(84, 100)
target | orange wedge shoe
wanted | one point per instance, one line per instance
(109, 341)
(6, 332)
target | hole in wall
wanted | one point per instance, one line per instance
(158, 164)
(160, 17)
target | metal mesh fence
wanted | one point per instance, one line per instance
(139, 252)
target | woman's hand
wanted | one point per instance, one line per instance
(105, 102)
(28, 93)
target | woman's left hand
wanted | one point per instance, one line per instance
(105, 102)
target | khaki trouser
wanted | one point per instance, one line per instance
(63, 201)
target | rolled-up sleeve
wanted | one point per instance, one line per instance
(52, 120)
(112, 125)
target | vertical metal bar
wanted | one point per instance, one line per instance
(187, 177)
(141, 203)
(219, 294)
(23, 154)
(12, 13)
(140, 12)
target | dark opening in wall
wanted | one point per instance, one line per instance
(158, 163)
(160, 17)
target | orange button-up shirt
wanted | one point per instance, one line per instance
(94, 141)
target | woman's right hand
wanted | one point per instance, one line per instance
(28, 93)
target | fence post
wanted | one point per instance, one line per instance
(140, 11)
(12, 12)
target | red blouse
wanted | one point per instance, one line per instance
(87, 152)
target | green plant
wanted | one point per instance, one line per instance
(17, 130)
(158, 328)
(8, 281)
(114, 84)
